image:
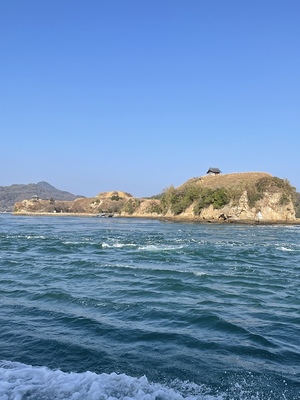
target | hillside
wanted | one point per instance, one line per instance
(253, 196)
(9, 195)
(104, 203)
(238, 196)
(235, 180)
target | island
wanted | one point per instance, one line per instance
(244, 197)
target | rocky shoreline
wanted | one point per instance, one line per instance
(164, 218)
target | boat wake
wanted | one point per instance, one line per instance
(19, 381)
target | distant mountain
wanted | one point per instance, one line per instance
(9, 195)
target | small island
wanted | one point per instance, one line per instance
(249, 197)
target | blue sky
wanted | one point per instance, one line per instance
(138, 95)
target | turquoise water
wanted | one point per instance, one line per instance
(113, 308)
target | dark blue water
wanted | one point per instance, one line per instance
(109, 308)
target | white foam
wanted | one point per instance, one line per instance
(73, 242)
(282, 248)
(152, 247)
(199, 273)
(19, 381)
(117, 245)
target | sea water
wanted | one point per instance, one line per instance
(115, 308)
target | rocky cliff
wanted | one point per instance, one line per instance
(237, 197)
(234, 197)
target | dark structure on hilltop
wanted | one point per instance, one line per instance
(214, 171)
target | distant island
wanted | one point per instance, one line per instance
(9, 195)
(215, 197)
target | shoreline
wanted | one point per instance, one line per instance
(162, 218)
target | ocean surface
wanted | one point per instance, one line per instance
(113, 308)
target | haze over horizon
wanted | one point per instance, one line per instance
(137, 96)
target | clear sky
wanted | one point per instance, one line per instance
(138, 95)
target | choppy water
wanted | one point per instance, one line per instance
(108, 308)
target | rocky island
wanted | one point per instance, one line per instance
(238, 197)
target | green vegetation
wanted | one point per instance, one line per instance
(271, 185)
(297, 204)
(218, 198)
(284, 200)
(116, 197)
(131, 206)
(155, 197)
(179, 200)
(253, 195)
(154, 208)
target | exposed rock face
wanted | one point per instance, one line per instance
(267, 209)
(245, 197)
